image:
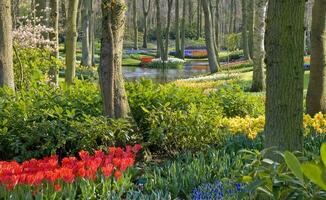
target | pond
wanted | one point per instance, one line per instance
(132, 73)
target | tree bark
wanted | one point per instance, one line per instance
(135, 24)
(168, 25)
(177, 29)
(86, 44)
(251, 18)
(183, 30)
(111, 79)
(284, 58)
(199, 19)
(258, 80)
(245, 46)
(316, 96)
(6, 48)
(54, 36)
(160, 45)
(71, 41)
(146, 12)
(209, 37)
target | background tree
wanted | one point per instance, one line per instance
(6, 48)
(245, 46)
(258, 79)
(111, 80)
(250, 24)
(135, 23)
(183, 30)
(316, 96)
(284, 59)
(167, 34)
(177, 29)
(54, 36)
(160, 45)
(209, 37)
(71, 41)
(145, 12)
(86, 14)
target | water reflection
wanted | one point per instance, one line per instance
(165, 75)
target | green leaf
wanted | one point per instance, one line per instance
(323, 153)
(294, 165)
(144, 109)
(314, 173)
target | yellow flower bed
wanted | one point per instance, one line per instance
(252, 126)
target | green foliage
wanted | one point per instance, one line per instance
(285, 180)
(235, 102)
(32, 65)
(233, 41)
(179, 177)
(176, 119)
(44, 120)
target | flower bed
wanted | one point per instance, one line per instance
(49, 177)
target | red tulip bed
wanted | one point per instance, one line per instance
(90, 177)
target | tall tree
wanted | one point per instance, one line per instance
(316, 96)
(258, 80)
(135, 23)
(6, 48)
(160, 45)
(183, 30)
(209, 37)
(54, 36)
(177, 29)
(111, 79)
(199, 9)
(251, 18)
(146, 12)
(284, 58)
(86, 14)
(71, 41)
(245, 46)
(167, 34)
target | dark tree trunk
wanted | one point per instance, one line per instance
(284, 59)
(6, 48)
(54, 36)
(146, 12)
(316, 96)
(111, 80)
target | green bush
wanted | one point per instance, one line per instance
(233, 41)
(32, 65)
(44, 120)
(235, 102)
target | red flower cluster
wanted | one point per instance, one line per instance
(34, 172)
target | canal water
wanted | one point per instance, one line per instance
(132, 73)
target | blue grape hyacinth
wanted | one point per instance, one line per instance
(216, 191)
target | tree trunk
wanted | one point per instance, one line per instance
(135, 24)
(111, 79)
(146, 21)
(6, 48)
(284, 58)
(168, 25)
(199, 19)
(190, 14)
(245, 46)
(86, 44)
(54, 36)
(231, 30)
(71, 41)
(209, 38)
(183, 30)
(217, 29)
(177, 30)
(258, 80)
(251, 18)
(316, 96)
(160, 45)
(92, 33)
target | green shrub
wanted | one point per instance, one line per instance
(44, 120)
(32, 65)
(235, 102)
(233, 41)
